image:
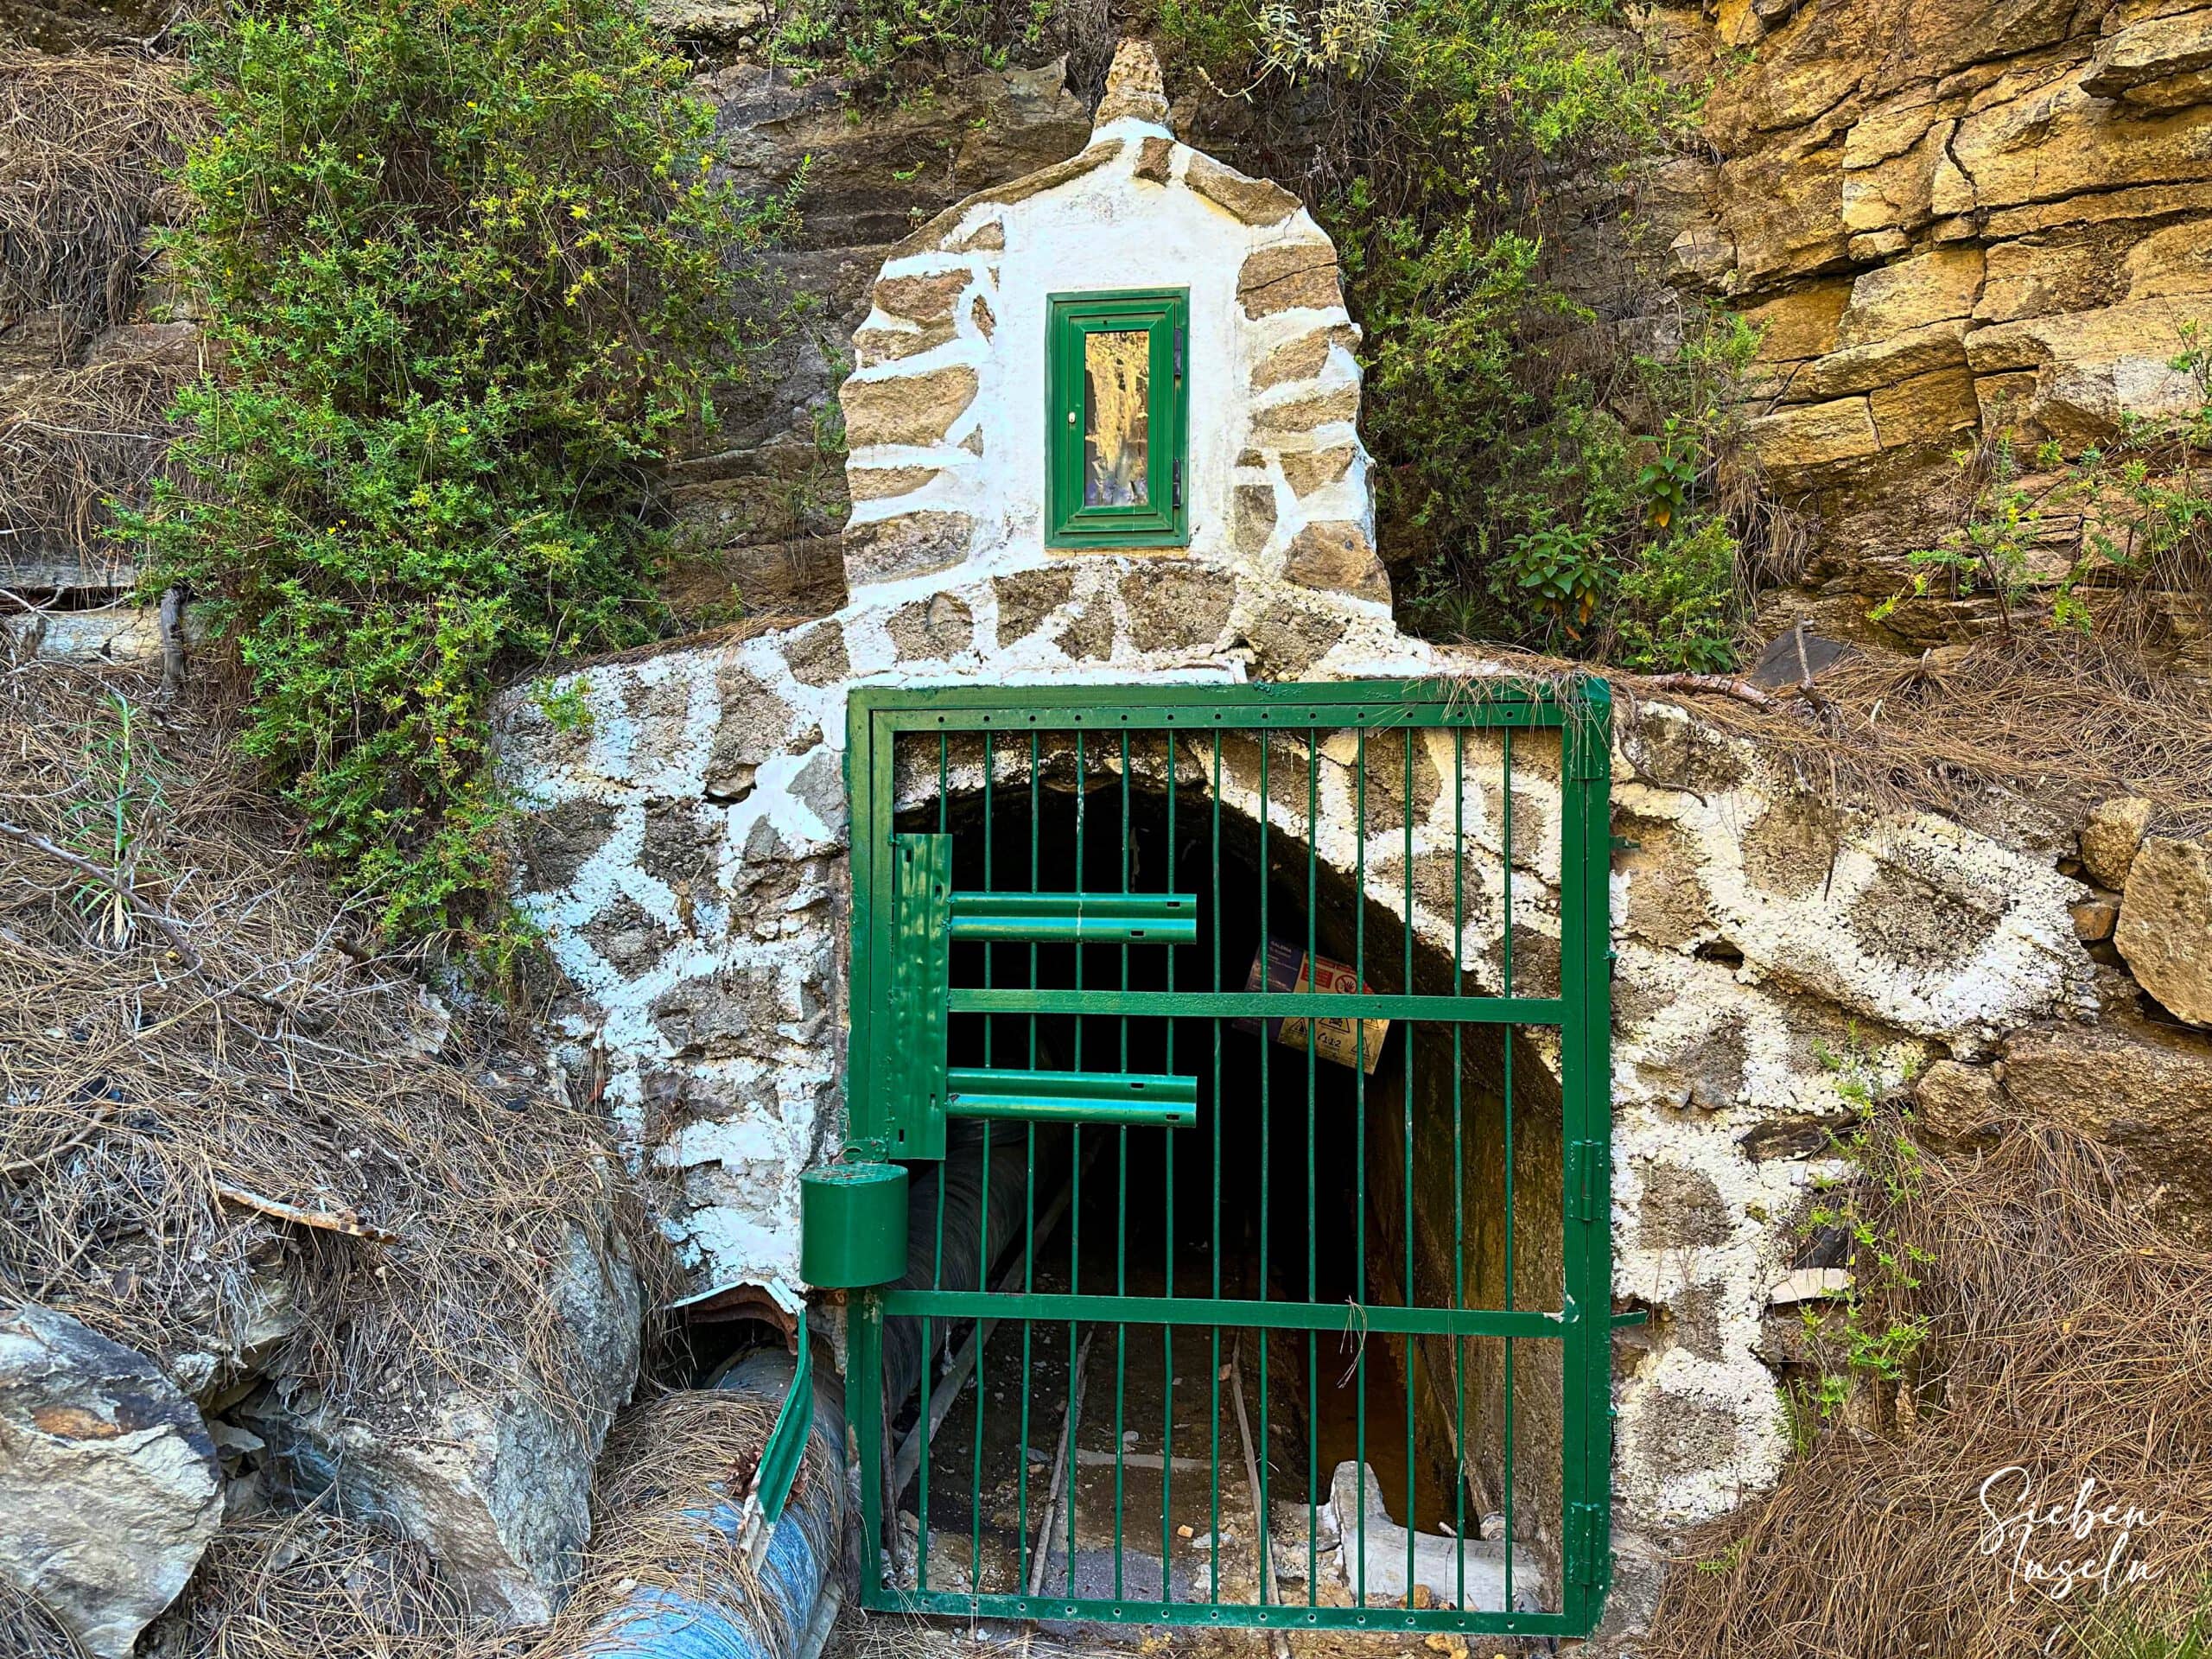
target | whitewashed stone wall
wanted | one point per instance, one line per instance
(685, 851)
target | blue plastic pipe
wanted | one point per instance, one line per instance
(781, 1614)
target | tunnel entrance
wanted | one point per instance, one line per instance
(1300, 1357)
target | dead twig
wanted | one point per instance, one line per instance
(329, 1221)
(1716, 685)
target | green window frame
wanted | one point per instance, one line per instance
(1162, 519)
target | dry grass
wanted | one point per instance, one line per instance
(2052, 717)
(28, 1631)
(73, 441)
(311, 1586)
(2069, 1337)
(214, 1093)
(85, 142)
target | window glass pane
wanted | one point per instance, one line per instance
(1116, 421)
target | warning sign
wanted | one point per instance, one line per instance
(1342, 1041)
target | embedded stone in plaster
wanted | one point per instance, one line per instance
(980, 313)
(1666, 904)
(990, 236)
(1135, 88)
(873, 346)
(909, 409)
(1791, 849)
(816, 653)
(1295, 417)
(1308, 470)
(1680, 1209)
(1155, 157)
(1027, 597)
(1337, 556)
(926, 298)
(558, 841)
(1917, 924)
(1175, 606)
(1299, 358)
(1255, 202)
(908, 545)
(1288, 637)
(629, 938)
(940, 625)
(757, 724)
(881, 483)
(1289, 277)
(679, 846)
(1255, 517)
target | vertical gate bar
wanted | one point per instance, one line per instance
(1359, 1156)
(983, 1259)
(1213, 1367)
(1312, 1276)
(1075, 1167)
(937, 1268)
(866, 1336)
(1411, 1351)
(1029, 1199)
(1266, 1115)
(1459, 1160)
(1168, 1154)
(1506, 1036)
(1122, 1214)
(1586, 1087)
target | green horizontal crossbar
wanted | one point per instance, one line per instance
(1153, 1100)
(1077, 918)
(1286, 1615)
(1204, 1312)
(1269, 1005)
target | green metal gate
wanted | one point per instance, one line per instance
(1082, 950)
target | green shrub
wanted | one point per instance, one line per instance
(1538, 483)
(466, 270)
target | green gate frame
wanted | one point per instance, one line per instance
(882, 1066)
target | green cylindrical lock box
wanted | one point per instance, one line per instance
(852, 1225)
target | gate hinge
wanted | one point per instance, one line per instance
(1589, 1181)
(1587, 1543)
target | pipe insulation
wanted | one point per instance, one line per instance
(957, 1257)
(783, 1606)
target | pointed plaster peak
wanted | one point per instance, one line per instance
(1133, 86)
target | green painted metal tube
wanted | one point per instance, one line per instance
(852, 1225)
(1077, 918)
(1145, 1099)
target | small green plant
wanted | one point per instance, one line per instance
(121, 789)
(1879, 1334)
(564, 706)
(467, 267)
(2181, 1630)
(2146, 523)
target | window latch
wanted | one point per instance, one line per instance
(1175, 487)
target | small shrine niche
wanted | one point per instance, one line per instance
(1137, 350)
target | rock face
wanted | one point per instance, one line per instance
(108, 1486)
(494, 1479)
(2144, 1088)
(769, 495)
(2165, 925)
(1951, 221)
